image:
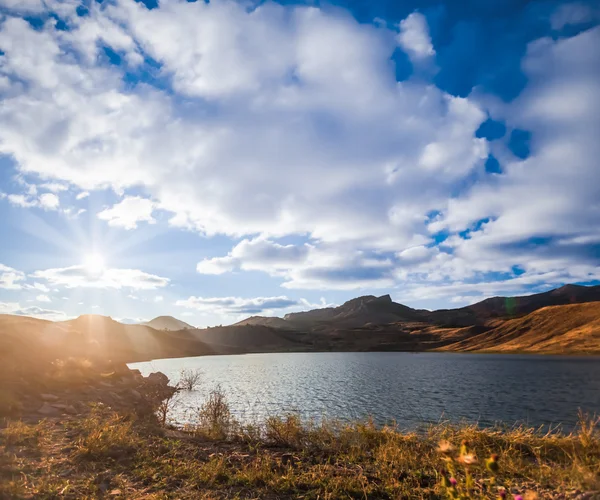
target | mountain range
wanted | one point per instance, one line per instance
(564, 320)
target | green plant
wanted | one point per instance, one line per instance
(214, 417)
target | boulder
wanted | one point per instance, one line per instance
(157, 378)
(48, 397)
(49, 410)
(136, 395)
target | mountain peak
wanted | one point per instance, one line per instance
(168, 323)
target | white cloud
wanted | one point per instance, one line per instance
(128, 212)
(237, 305)
(37, 286)
(258, 254)
(49, 201)
(23, 6)
(55, 187)
(313, 136)
(573, 14)
(43, 298)
(46, 201)
(288, 121)
(10, 277)
(79, 276)
(82, 195)
(33, 311)
(158, 298)
(414, 37)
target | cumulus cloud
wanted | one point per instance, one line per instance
(10, 277)
(287, 121)
(37, 286)
(573, 13)
(43, 298)
(33, 311)
(80, 276)
(414, 37)
(237, 305)
(128, 212)
(49, 201)
(257, 254)
(318, 86)
(46, 201)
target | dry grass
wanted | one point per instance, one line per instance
(108, 453)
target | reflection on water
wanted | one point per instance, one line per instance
(408, 388)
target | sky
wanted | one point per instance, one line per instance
(213, 160)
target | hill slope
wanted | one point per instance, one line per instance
(573, 328)
(502, 307)
(354, 313)
(167, 323)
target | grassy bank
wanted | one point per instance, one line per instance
(116, 454)
(75, 429)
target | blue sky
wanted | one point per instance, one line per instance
(213, 160)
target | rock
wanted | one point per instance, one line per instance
(105, 384)
(158, 378)
(71, 410)
(136, 395)
(48, 410)
(115, 396)
(48, 397)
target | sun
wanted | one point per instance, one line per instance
(94, 264)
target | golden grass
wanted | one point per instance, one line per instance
(286, 458)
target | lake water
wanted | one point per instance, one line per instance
(408, 388)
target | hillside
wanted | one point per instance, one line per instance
(270, 321)
(30, 340)
(168, 323)
(363, 324)
(355, 313)
(573, 328)
(510, 307)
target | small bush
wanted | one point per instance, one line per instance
(285, 431)
(214, 417)
(106, 436)
(189, 379)
(20, 433)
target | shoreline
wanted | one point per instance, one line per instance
(114, 447)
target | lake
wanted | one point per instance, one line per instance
(411, 389)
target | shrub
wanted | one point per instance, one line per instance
(189, 379)
(285, 431)
(106, 436)
(214, 416)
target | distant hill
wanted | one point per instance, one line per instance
(270, 321)
(510, 307)
(565, 320)
(573, 328)
(354, 313)
(167, 323)
(89, 336)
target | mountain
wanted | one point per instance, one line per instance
(510, 307)
(32, 340)
(573, 328)
(269, 321)
(565, 320)
(354, 313)
(167, 323)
